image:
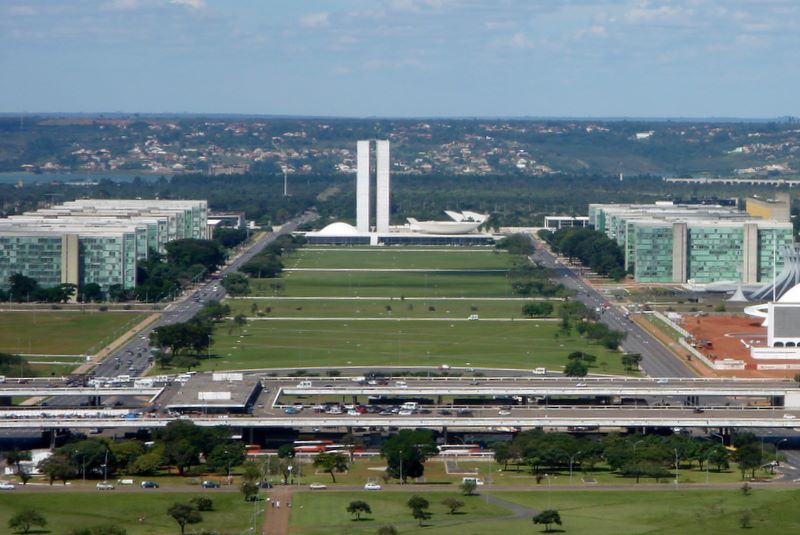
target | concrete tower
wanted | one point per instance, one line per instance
(382, 188)
(362, 186)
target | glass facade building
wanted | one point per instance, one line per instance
(94, 240)
(672, 243)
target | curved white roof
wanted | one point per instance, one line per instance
(338, 229)
(791, 296)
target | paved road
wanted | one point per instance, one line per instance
(132, 358)
(657, 361)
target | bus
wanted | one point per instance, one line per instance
(311, 446)
(459, 449)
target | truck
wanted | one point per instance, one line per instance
(540, 371)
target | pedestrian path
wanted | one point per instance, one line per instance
(278, 511)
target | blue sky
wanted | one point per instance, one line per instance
(400, 58)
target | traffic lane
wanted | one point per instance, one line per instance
(657, 360)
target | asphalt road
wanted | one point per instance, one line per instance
(657, 360)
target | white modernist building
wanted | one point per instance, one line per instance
(461, 230)
(382, 186)
(782, 320)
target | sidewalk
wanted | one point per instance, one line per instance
(277, 519)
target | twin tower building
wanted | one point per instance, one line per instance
(364, 183)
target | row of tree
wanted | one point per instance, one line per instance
(268, 263)
(632, 455)
(593, 248)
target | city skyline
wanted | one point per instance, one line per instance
(402, 58)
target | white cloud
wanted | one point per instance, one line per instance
(315, 20)
(644, 13)
(520, 40)
(194, 4)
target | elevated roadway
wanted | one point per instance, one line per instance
(568, 417)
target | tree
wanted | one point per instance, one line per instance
(236, 284)
(16, 457)
(184, 514)
(419, 508)
(252, 472)
(331, 462)
(547, 517)
(749, 457)
(91, 292)
(188, 252)
(146, 464)
(357, 507)
(504, 452)
(797, 378)
(468, 487)
(226, 455)
(57, 467)
(452, 504)
(202, 503)
(631, 361)
(576, 368)
(746, 520)
(24, 520)
(387, 530)
(250, 490)
(537, 309)
(21, 288)
(407, 451)
(285, 451)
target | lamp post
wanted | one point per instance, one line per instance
(83, 464)
(676, 466)
(105, 468)
(401, 466)
(571, 457)
(777, 447)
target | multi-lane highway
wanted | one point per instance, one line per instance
(133, 357)
(657, 360)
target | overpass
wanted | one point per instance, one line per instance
(786, 393)
(80, 391)
(567, 417)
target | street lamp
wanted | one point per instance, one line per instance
(83, 464)
(571, 457)
(777, 447)
(676, 466)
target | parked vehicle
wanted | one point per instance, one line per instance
(372, 486)
(210, 485)
(105, 485)
(149, 485)
(317, 486)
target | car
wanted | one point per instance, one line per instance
(5, 485)
(265, 484)
(473, 317)
(149, 485)
(105, 485)
(405, 412)
(372, 486)
(317, 486)
(504, 412)
(401, 384)
(291, 410)
(698, 410)
(662, 381)
(789, 416)
(210, 485)
(580, 384)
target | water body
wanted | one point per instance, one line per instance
(30, 178)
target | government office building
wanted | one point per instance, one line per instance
(94, 240)
(679, 243)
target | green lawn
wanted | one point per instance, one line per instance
(68, 510)
(601, 512)
(61, 333)
(679, 512)
(360, 308)
(398, 258)
(307, 343)
(385, 284)
(323, 513)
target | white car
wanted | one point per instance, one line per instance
(372, 486)
(105, 486)
(317, 486)
(5, 485)
(401, 384)
(789, 416)
(504, 412)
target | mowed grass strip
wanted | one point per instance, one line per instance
(600, 512)
(324, 513)
(394, 308)
(667, 512)
(60, 333)
(66, 510)
(308, 343)
(398, 258)
(384, 284)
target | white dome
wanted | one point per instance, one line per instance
(338, 229)
(792, 296)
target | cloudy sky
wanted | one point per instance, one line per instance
(635, 58)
